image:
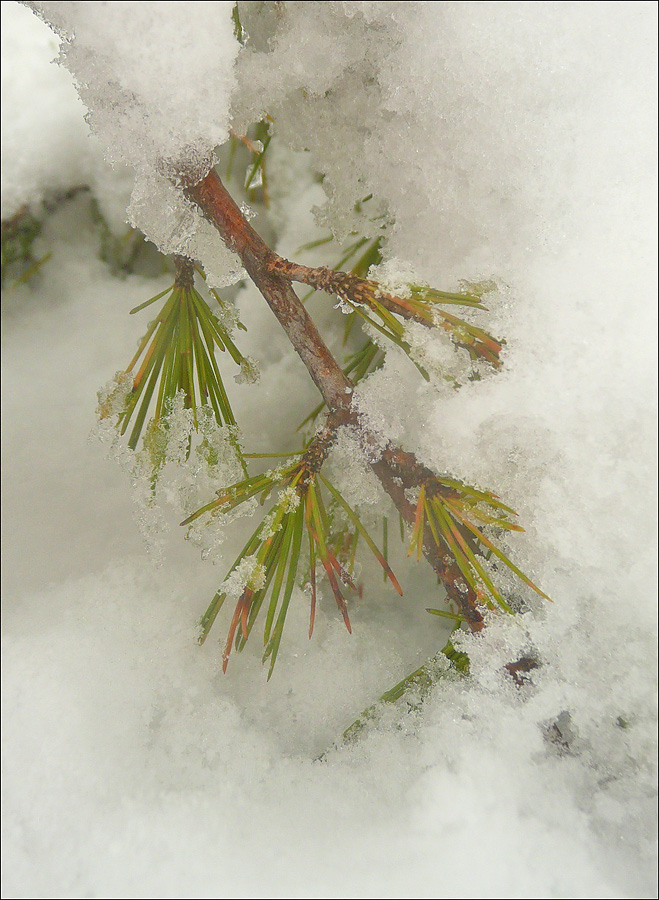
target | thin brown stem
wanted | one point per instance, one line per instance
(444, 566)
(319, 448)
(256, 256)
(184, 272)
(347, 285)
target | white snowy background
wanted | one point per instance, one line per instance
(507, 140)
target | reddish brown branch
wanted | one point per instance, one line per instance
(319, 448)
(519, 670)
(347, 285)
(256, 256)
(396, 469)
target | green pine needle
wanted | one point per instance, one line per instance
(417, 683)
(446, 509)
(177, 354)
(278, 549)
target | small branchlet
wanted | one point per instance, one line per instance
(272, 557)
(386, 312)
(449, 663)
(455, 515)
(369, 356)
(177, 354)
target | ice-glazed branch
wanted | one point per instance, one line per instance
(397, 470)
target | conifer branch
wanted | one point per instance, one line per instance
(396, 469)
(379, 307)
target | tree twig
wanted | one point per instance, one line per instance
(256, 256)
(346, 284)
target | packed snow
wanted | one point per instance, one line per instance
(512, 143)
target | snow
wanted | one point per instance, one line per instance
(115, 53)
(130, 59)
(505, 141)
(45, 144)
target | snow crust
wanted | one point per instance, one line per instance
(45, 143)
(505, 141)
(156, 79)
